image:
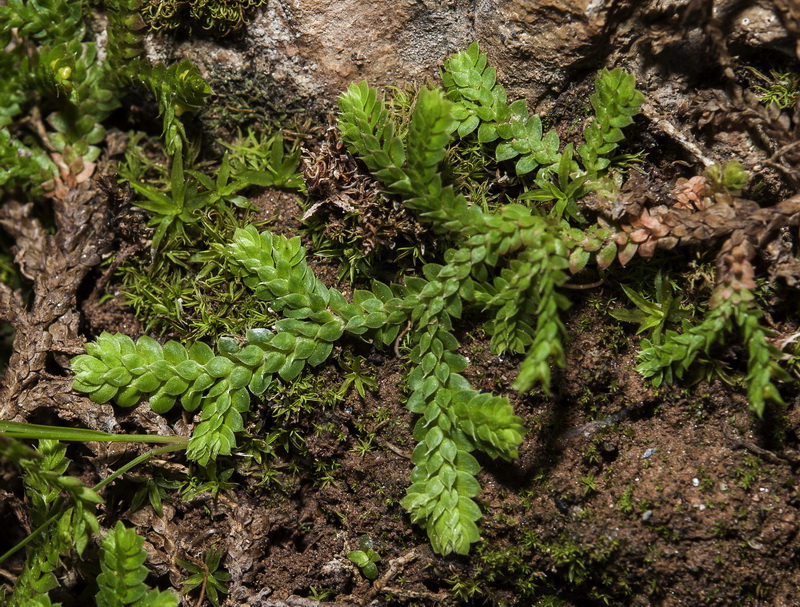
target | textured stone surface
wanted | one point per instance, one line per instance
(300, 54)
(304, 53)
(759, 25)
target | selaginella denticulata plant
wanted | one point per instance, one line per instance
(509, 262)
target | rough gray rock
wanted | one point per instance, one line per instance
(304, 53)
(300, 54)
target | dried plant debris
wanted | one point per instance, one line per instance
(351, 217)
(702, 211)
(700, 30)
(773, 130)
(55, 264)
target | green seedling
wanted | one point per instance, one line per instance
(153, 488)
(653, 317)
(356, 376)
(564, 188)
(780, 88)
(320, 594)
(222, 192)
(207, 576)
(589, 483)
(192, 194)
(365, 558)
(263, 160)
(729, 177)
(173, 212)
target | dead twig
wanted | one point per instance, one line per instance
(436, 598)
(392, 448)
(666, 127)
(770, 456)
(395, 567)
(400, 339)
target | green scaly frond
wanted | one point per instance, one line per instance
(23, 166)
(511, 262)
(50, 22)
(670, 360)
(615, 101)
(122, 576)
(45, 482)
(368, 129)
(480, 101)
(125, 36)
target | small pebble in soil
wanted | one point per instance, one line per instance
(609, 449)
(646, 515)
(696, 482)
(648, 453)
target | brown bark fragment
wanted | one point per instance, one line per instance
(744, 228)
(55, 264)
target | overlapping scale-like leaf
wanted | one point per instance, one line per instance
(115, 368)
(122, 573)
